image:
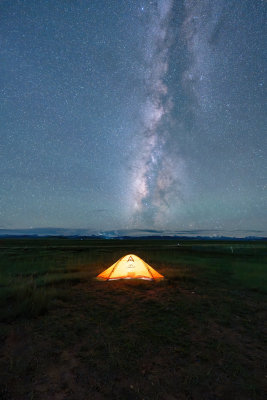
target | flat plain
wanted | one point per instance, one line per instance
(198, 334)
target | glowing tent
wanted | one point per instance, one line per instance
(130, 267)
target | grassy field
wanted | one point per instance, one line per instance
(198, 334)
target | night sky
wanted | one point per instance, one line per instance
(133, 114)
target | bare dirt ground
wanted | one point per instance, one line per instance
(122, 340)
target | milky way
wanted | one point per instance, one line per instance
(157, 172)
(200, 28)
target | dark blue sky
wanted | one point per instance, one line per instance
(133, 114)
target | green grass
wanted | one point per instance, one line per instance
(198, 334)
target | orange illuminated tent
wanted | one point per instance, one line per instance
(130, 267)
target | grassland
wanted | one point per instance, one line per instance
(198, 334)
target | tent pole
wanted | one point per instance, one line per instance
(114, 268)
(148, 270)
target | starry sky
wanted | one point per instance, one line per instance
(133, 114)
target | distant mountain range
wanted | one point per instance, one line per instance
(134, 233)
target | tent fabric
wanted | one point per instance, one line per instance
(130, 267)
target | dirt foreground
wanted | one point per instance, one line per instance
(190, 336)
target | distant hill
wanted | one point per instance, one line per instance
(134, 234)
